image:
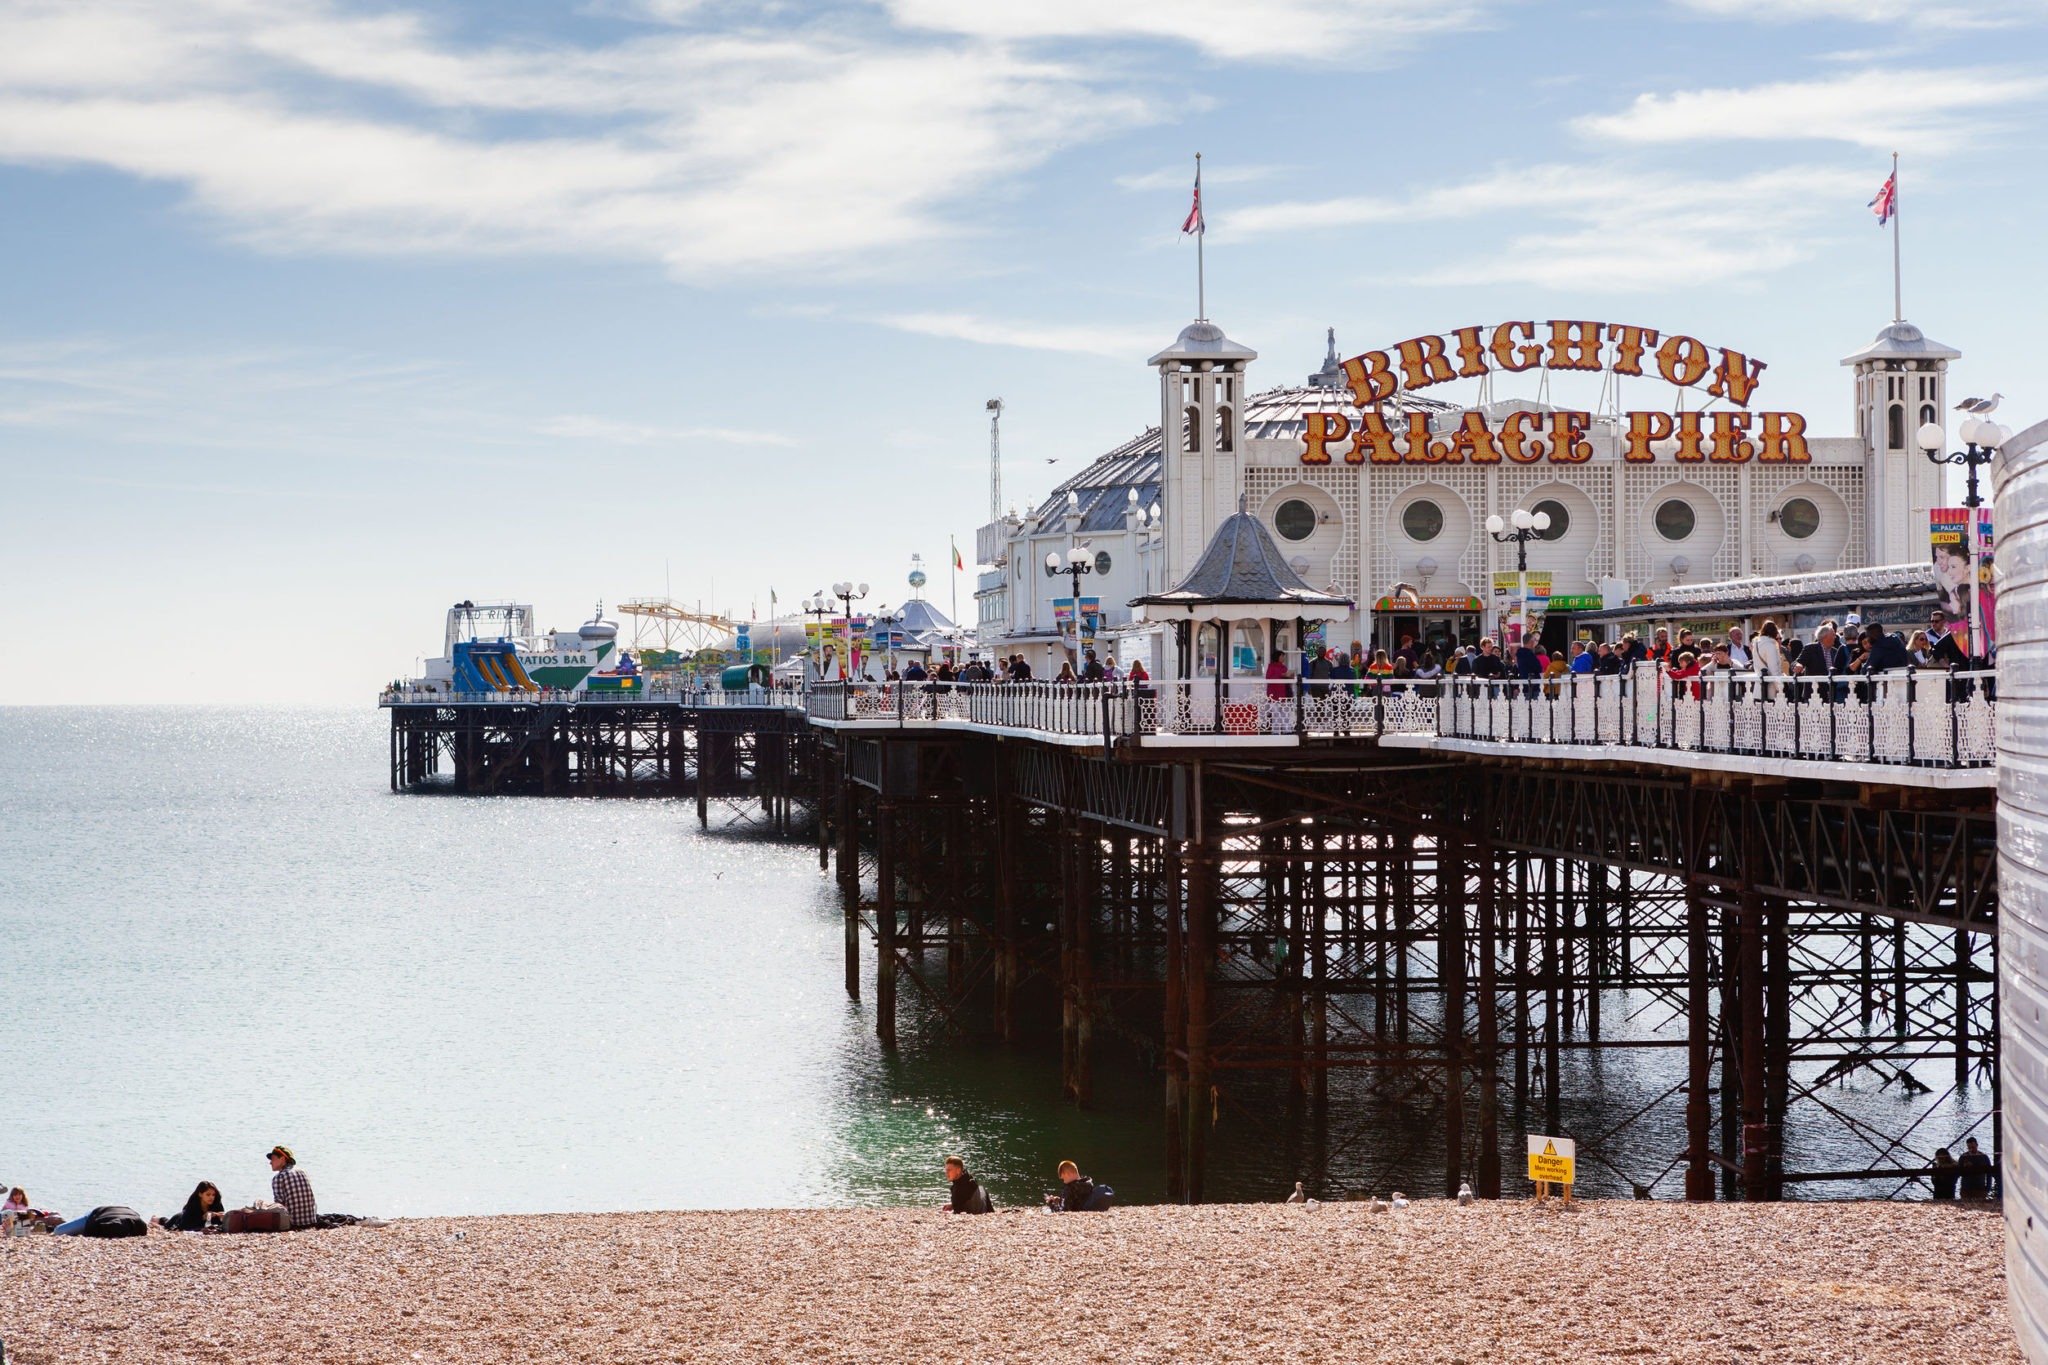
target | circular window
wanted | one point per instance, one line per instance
(1560, 520)
(1102, 561)
(1422, 520)
(1675, 519)
(1799, 518)
(1295, 520)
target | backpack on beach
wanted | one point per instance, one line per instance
(1100, 1201)
(982, 1203)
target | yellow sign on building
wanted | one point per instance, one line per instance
(1552, 1159)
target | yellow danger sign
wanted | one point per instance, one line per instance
(1551, 1159)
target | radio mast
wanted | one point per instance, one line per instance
(995, 460)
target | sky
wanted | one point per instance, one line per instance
(316, 317)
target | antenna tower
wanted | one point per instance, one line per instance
(995, 460)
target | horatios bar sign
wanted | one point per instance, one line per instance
(1719, 437)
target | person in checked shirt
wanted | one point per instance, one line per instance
(289, 1187)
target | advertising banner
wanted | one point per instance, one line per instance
(1948, 529)
(1091, 619)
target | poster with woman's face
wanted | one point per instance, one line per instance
(1949, 531)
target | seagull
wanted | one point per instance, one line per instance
(1378, 1205)
(1464, 1193)
(1983, 407)
(1406, 590)
(1052, 461)
(1297, 1197)
(1400, 1200)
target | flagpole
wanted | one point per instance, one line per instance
(1898, 294)
(1201, 231)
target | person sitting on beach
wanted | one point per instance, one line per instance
(201, 1210)
(967, 1195)
(17, 1201)
(289, 1187)
(1078, 1194)
(1973, 1169)
(1946, 1170)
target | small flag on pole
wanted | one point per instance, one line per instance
(1887, 201)
(1194, 221)
(957, 565)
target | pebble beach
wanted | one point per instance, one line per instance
(1510, 1281)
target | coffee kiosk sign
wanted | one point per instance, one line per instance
(1732, 435)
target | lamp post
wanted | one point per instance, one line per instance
(848, 594)
(818, 605)
(1528, 526)
(1982, 440)
(1077, 564)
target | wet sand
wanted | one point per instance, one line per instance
(1433, 1282)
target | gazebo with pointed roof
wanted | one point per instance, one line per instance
(1242, 576)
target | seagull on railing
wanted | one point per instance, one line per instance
(1982, 407)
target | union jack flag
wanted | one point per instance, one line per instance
(1194, 220)
(1887, 201)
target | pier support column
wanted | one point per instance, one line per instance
(1749, 977)
(1777, 1043)
(1006, 904)
(885, 922)
(1487, 1177)
(849, 880)
(1176, 1024)
(1450, 864)
(1201, 899)
(1699, 1171)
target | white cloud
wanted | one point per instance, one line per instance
(712, 152)
(1615, 228)
(1887, 110)
(613, 432)
(1182, 177)
(1118, 343)
(1927, 13)
(1239, 30)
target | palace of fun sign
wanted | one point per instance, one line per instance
(1525, 437)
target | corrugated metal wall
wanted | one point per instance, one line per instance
(2021, 527)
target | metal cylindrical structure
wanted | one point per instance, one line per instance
(2021, 522)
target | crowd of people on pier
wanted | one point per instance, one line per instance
(291, 1207)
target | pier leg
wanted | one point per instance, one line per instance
(1750, 978)
(849, 881)
(1552, 942)
(1450, 866)
(1201, 926)
(1487, 1183)
(1176, 1027)
(1006, 907)
(1699, 1172)
(1962, 1006)
(1777, 1044)
(885, 922)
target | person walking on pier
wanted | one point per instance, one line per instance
(967, 1194)
(1092, 670)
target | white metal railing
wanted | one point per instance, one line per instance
(1910, 716)
(789, 697)
(1206, 706)
(1918, 717)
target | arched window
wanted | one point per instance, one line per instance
(1191, 425)
(1895, 427)
(1206, 650)
(1223, 428)
(1927, 414)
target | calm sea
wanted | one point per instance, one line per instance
(221, 931)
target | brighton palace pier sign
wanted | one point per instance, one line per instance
(1721, 437)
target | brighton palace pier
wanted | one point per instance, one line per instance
(1366, 479)
(1737, 941)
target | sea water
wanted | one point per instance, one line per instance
(221, 931)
